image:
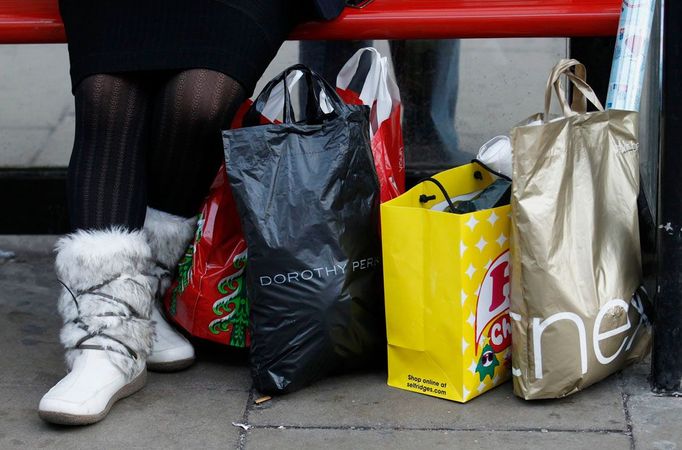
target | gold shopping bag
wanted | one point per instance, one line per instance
(576, 310)
(446, 281)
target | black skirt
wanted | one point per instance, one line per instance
(236, 37)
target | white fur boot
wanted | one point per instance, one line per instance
(106, 307)
(168, 236)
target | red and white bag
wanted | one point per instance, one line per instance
(375, 87)
(365, 79)
(208, 298)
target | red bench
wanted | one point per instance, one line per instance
(38, 21)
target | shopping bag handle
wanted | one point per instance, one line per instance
(313, 109)
(494, 172)
(367, 73)
(580, 89)
(427, 198)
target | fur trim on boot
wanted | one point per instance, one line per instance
(168, 237)
(107, 299)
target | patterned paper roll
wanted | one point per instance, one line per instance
(629, 58)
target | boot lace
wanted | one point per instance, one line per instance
(130, 314)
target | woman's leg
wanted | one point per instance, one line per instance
(186, 146)
(106, 302)
(106, 178)
(184, 155)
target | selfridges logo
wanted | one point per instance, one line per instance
(332, 270)
(493, 305)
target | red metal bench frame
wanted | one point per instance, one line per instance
(38, 21)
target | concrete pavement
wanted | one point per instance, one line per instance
(197, 408)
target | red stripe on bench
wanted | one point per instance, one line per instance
(38, 21)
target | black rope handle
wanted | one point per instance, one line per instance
(427, 198)
(494, 172)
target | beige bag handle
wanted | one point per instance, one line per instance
(581, 90)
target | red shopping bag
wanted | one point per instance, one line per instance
(366, 80)
(208, 298)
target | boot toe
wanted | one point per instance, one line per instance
(87, 393)
(60, 405)
(172, 358)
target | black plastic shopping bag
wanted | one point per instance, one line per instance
(308, 196)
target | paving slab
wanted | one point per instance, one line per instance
(656, 421)
(19, 146)
(34, 85)
(494, 94)
(29, 324)
(56, 151)
(635, 379)
(366, 400)
(230, 373)
(30, 349)
(28, 245)
(158, 416)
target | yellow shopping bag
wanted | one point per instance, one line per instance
(447, 288)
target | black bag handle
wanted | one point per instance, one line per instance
(427, 198)
(313, 109)
(486, 167)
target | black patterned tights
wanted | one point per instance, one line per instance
(146, 140)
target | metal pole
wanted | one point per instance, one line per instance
(667, 349)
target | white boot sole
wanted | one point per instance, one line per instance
(74, 419)
(171, 366)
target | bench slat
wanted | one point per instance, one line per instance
(38, 21)
(441, 19)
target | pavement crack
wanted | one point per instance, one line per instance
(628, 420)
(462, 429)
(243, 433)
(626, 410)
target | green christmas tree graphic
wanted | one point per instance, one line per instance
(233, 303)
(185, 268)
